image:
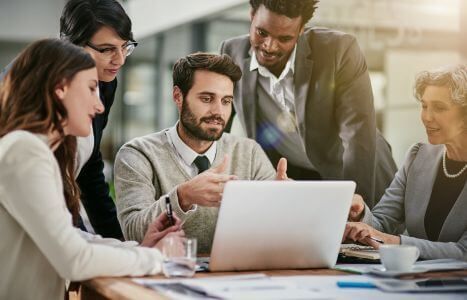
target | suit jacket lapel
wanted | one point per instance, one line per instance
(303, 70)
(456, 221)
(249, 97)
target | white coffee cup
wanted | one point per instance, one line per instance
(398, 257)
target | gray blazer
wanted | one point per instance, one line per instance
(334, 106)
(406, 201)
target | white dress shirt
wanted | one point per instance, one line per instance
(282, 88)
(186, 156)
(84, 148)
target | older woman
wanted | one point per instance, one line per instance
(428, 196)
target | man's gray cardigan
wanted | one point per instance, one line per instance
(147, 169)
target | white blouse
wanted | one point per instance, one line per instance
(39, 247)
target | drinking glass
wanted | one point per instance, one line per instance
(179, 256)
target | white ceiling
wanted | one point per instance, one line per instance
(150, 16)
(26, 20)
(439, 15)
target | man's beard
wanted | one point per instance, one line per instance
(193, 128)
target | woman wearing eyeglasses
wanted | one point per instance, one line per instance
(104, 30)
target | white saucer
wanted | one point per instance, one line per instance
(381, 271)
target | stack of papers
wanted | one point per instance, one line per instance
(419, 267)
(259, 286)
(254, 286)
(254, 289)
(354, 250)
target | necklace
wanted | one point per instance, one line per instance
(446, 170)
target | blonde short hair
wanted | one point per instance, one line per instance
(454, 77)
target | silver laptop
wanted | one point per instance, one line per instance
(280, 224)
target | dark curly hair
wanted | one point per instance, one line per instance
(289, 8)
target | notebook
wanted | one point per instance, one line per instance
(354, 250)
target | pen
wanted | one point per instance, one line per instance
(168, 208)
(355, 284)
(376, 240)
(347, 270)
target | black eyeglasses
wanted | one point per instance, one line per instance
(110, 52)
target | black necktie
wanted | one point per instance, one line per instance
(202, 162)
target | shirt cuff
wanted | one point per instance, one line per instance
(97, 239)
(173, 196)
(406, 240)
(367, 216)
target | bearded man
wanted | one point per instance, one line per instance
(188, 165)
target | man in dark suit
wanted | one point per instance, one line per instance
(306, 95)
(103, 29)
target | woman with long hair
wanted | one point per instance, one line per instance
(104, 30)
(48, 97)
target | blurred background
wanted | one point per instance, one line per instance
(398, 37)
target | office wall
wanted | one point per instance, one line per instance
(8, 51)
(147, 84)
(26, 20)
(23, 21)
(152, 17)
(402, 123)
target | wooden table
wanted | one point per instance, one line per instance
(123, 288)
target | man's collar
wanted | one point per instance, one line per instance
(186, 153)
(290, 65)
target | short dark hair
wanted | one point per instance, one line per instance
(185, 68)
(81, 19)
(289, 8)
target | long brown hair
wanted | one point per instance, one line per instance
(28, 101)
